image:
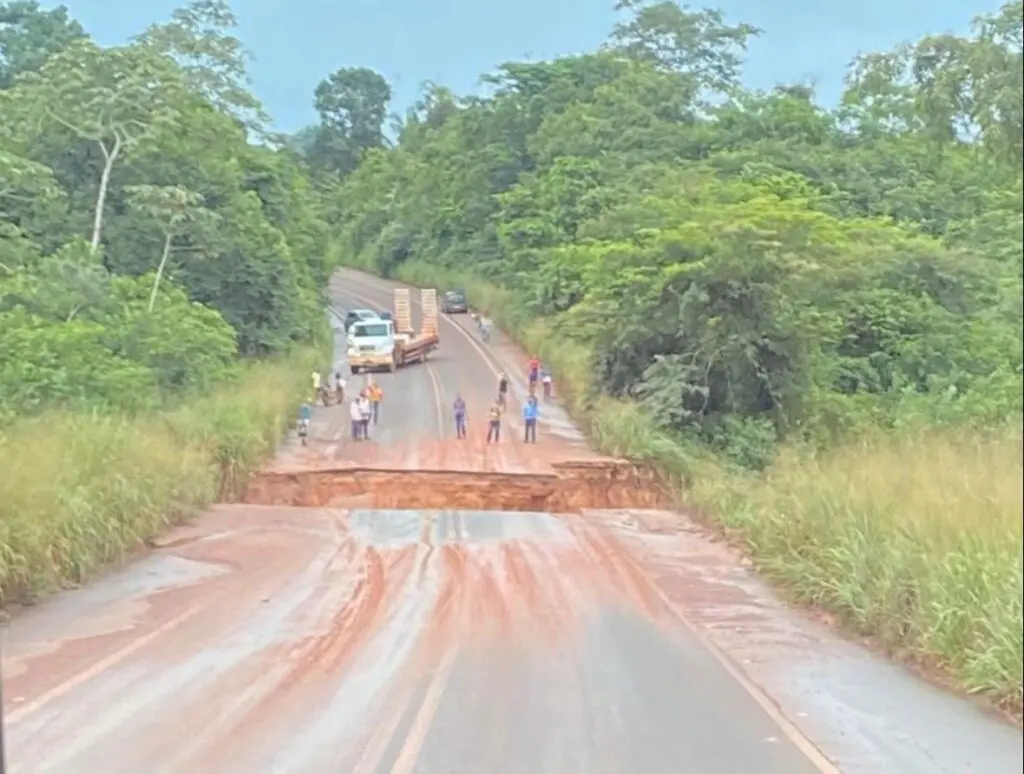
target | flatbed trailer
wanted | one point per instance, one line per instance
(401, 344)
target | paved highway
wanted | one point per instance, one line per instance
(350, 641)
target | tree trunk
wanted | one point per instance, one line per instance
(160, 269)
(109, 157)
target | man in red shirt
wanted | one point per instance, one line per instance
(534, 373)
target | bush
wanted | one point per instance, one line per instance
(80, 490)
(914, 538)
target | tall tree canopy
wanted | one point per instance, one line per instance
(145, 242)
(353, 106)
(749, 265)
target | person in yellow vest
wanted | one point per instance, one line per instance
(376, 395)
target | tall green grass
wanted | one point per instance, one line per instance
(914, 539)
(78, 491)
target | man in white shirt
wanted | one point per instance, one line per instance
(365, 410)
(356, 414)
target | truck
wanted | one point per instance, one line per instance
(391, 344)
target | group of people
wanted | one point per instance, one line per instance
(538, 373)
(496, 411)
(364, 410)
(323, 388)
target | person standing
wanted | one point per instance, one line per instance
(459, 410)
(365, 411)
(356, 414)
(316, 385)
(376, 395)
(494, 422)
(534, 373)
(339, 387)
(545, 380)
(503, 389)
(305, 416)
(530, 413)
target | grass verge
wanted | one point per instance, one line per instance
(915, 541)
(79, 491)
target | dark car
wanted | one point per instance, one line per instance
(357, 315)
(454, 302)
(386, 316)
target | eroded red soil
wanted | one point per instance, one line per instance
(571, 487)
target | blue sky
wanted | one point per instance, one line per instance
(453, 41)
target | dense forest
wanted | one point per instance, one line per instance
(811, 316)
(748, 265)
(142, 194)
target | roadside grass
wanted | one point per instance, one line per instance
(914, 539)
(81, 490)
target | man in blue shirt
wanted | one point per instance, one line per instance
(304, 418)
(530, 412)
(459, 410)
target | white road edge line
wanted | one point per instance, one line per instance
(770, 708)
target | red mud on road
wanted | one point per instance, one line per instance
(329, 447)
(509, 588)
(300, 609)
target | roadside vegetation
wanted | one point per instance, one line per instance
(162, 260)
(811, 316)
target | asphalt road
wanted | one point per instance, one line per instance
(416, 428)
(347, 641)
(284, 640)
(419, 397)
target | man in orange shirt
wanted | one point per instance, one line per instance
(376, 395)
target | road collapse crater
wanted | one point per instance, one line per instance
(572, 486)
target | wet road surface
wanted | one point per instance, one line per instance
(347, 641)
(289, 640)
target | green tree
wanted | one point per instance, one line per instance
(141, 191)
(213, 61)
(949, 88)
(353, 106)
(176, 212)
(30, 35)
(699, 44)
(115, 99)
(27, 191)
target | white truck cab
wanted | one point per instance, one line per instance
(371, 337)
(372, 342)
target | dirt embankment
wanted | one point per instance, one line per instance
(573, 486)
